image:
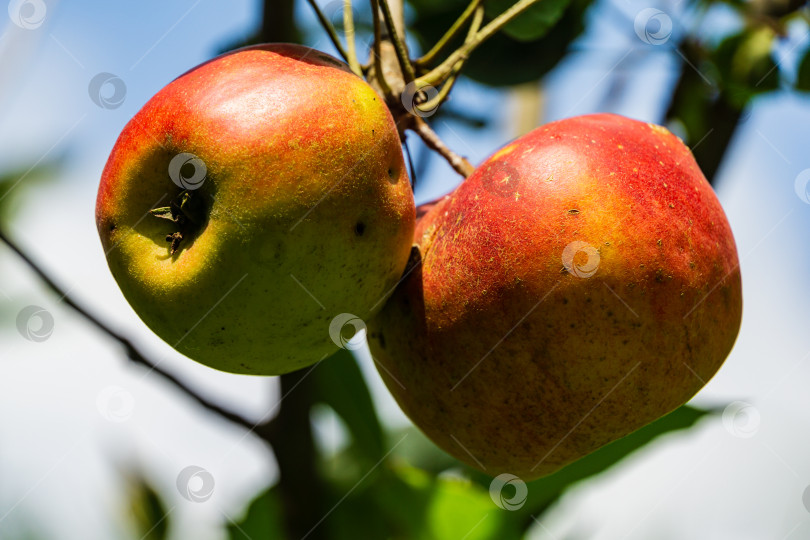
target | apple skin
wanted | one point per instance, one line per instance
(306, 187)
(514, 364)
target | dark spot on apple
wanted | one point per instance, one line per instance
(381, 340)
(391, 173)
(360, 228)
(112, 227)
(565, 300)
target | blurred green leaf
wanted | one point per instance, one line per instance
(262, 520)
(745, 65)
(803, 76)
(528, 60)
(533, 23)
(149, 515)
(543, 492)
(340, 384)
(13, 183)
(406, 503)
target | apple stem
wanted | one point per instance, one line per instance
(434, 142)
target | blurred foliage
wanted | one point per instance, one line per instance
(417, 492)
(148, 513)
(533, 43)
(15, 182)
(340, 385)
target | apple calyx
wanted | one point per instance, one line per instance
(186, 213)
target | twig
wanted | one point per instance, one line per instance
(444, 92)
(454, 30)
(132, 352)
(348, 29)
(399, 44)
(378, 68)
(327, 25)
(443, 70)
(432, 140)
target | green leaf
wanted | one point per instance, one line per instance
(803, 76)
(150, 518)
(339, 384)
(425, 507)
(546, 490)
(13, 183)
(746, 66)
(533, 23)
(528, 60)
(262, 520)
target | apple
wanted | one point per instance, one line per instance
(581, 283)
(253, 200)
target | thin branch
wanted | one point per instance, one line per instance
(432, 140)
(454, 30)
(348, 29)
(375, 6)
(444, 92)
(399, 44)
(327, 25)
(132, 352)
(443, 70)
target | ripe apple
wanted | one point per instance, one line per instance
(251, 201)
(581, 283)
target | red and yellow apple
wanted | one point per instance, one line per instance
(581, 283)
(251, 201)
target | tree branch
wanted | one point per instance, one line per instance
(432, 140)
(351, 47)
(399, 44)
(444, 92)
(132, 352)
(330, 30)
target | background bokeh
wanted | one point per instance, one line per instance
(87, 439)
